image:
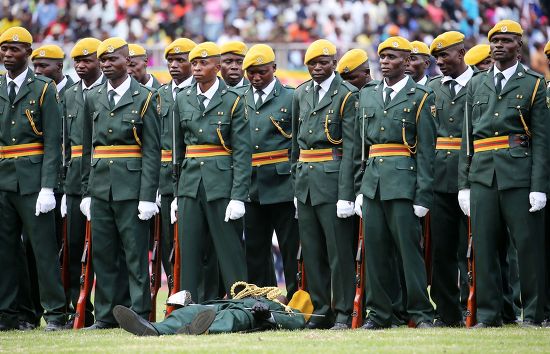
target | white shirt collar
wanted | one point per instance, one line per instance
(121, 89)
(423, 81)
(507, 73)
(241, 83)
(61, 84)
(267, 90)
(461, 80)
(184, 83)
(210, 92)
(398, 86)
(97, 82)
(149, 83)
(325, 86)
(19, 80)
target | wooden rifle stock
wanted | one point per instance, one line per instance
(156, 275)
(428, 248)
(86, 279)
(174, 280)
(301, 275)
(471, 306)
(357, 314)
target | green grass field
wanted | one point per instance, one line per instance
(401, 340)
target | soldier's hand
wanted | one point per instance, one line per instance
(537, 201)
(174, 211)
(235, 210)
(45, 201)
(344, 209)
(464, 201)
(420, 211)
(63, 206)
(147, 210)
(358, 208)
(85, 207)
(260, 311)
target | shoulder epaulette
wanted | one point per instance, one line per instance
(434, 78)
(74, 84)
(424, 88)
(303, 83)
(239, 91)
(42, 78)
(533, 73)
(372, 83)
(288, 87)
(349, 86)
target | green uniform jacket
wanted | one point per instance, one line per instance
(29, 174)
(397, 177)
(271, 129)
(490, 115)
(125, 178)
(61, 94)
(156, 83)
(74, 119)
(324, 182)
(222, 176)
(166, 185)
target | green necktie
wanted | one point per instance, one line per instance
(112, 94)
(201, 99)
(498, 85)
(12, 93)
(259, 101)
(452, 86)
(387, 100)
(316, 90)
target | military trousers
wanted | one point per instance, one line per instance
(492, 211)
(17, 216)
(167, 233)
(390, 229)
(116, 227)
(329, 261)
(547, 257)
(260, 221)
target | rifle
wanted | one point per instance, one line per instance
(155, 269)
(301, 275)
(64, 250)
(427, 248)
(471, 306)
(86, 279)
(357, 314)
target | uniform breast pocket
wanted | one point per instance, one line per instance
(31, 114)
(166, 120)
(519, 106)
(132, 123)
(186, 117)
(365, 122)
(332, 126)
(71, 119)
(404, 121)
(282, 123)
(479, 106)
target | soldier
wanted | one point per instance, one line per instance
(121, 139)
(546, 322)
(270, 207)
(322, 131)
(396, 124)
(29, 164)
(419, 63)
(448, 224)
(479, 56)
(137, 66)
(354, 68)
(214, 149)
(507, 134)
(179, 67)
(232, 63)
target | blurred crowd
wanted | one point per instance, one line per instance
(344, 22)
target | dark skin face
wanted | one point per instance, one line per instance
(137, 68)
(205, 71)
(418, 64)
(232, 68)
(87, 68)
(261, 75)
(451, 60)
(50, 68)
(179, 67)
(320, 68)
(393, 64)
(358, 77)
(16, 56)
(485, 64)
(505, 49)
(115, 65)
(548, 58)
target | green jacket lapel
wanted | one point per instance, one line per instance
(4, 88)
(24, 89)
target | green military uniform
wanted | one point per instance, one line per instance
(271, 205)
(547, 243)
(156, 83)
(208, 181)
(23, 174)
(325, 127)
(391, 186)
(116, 185)
(500, 179)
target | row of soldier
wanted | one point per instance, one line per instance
(338, 145)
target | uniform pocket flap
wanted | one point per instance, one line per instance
(132, 118)
(283, 168)
(134, 165)
(405, 164)
(331, 166)
(224, 164)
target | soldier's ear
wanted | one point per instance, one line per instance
(334, 63)
(274, 67)
(28, 50)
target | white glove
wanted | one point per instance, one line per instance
(344, 209)
(235, 209)
(85, 207)
(537, 200)
(295, 208)
(464, 201)
(157, 201)
(358, 208)
(45, 201)
(420, 211)
(147, 210)
(63, 206)
(174, 211)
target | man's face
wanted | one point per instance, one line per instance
(261, 75)
(86, 67)
(548, 58)
(205, 69)
(485, 64)
(450, 60)
(393, 63)
(49, 68)
(232, 68)
(113, 65)
(15, 55)
(358, 77)
(179, 66)
(137, 67)
(505, 47)
(320, 68)
(417, 66)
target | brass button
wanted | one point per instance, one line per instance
(311, 148)
(110, 130)
(329, 120)
(385, 112)
(452, 102)
(256, 147)
(496, 133)
(200, 130)
(381, 160)
(132, 121)
(448, 152)
(257, 112)
(13, 139)
(257, 129)
(12, 106)
(219, 122)
(496, 114)
(12, 122)
(310, 167)
(314, 113)
(382, 128)
(202, 163)
(112, 114)
(110, 161)
(499, 97)
(310, 131)
(451, 119)
(450, 136)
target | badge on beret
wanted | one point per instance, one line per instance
(259, 60)
(15, 38)
(132, 52)
(110, 49)
(415, 50)
(439, 45)
(395, 44)
(85, 51)
(177, 50)
(548, 101)
(42, 53)
(204, 54)
(504, 29)
(346, 69)
(433, 110)
(326, 51)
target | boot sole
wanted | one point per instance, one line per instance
(132, 322)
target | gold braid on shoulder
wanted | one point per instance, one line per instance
(242, 289)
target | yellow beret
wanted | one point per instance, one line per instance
(351, 60)
(204, 50)
(258, 54)
(420, 48)
(135, 50)
(477, 54)
(180, 45)
(234, 47)
(445, 40)
(506, 26)
(395, 43)
(318, 48)
(16, 34)
(85, 46)
(110, 45)
(547, 48)
(51, 51)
